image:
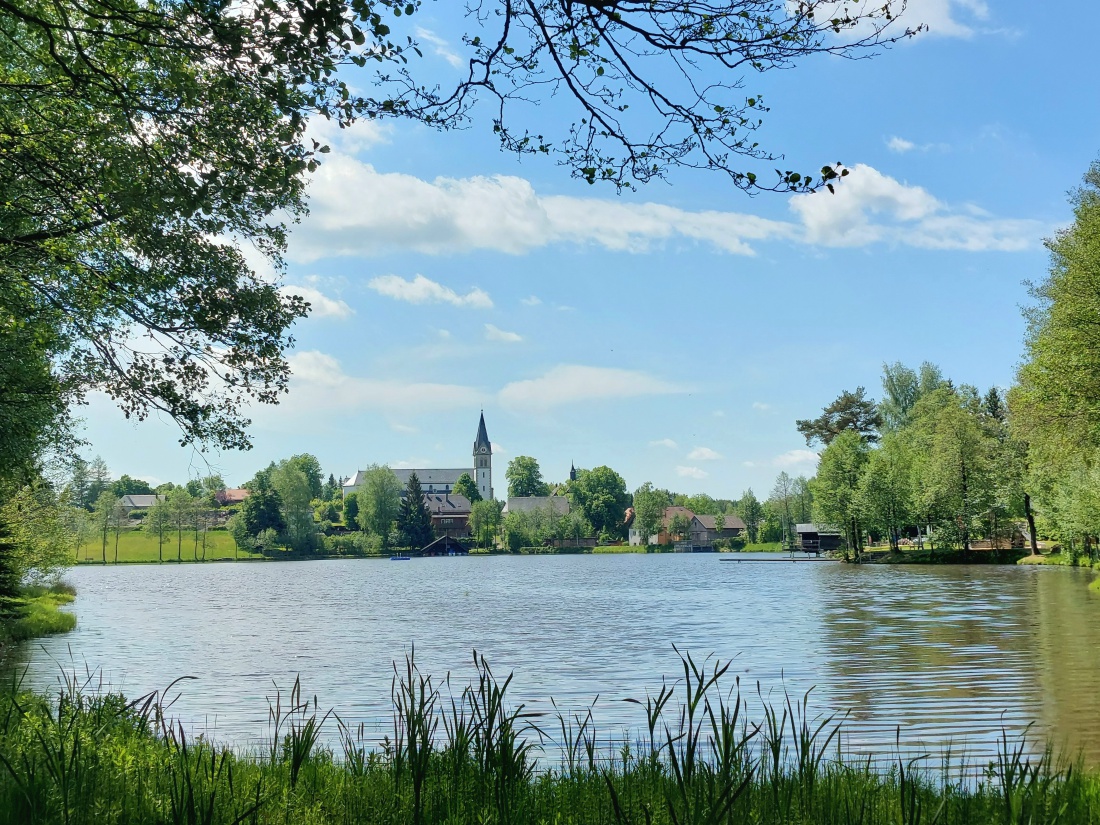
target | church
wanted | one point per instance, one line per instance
(442, 482)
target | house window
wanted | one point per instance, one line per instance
(445, 521)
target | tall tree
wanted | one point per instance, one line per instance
(126, 486)
(465, 486)
(262, 510)
(525, 478)
(379, 499)
(954, 463)
(414, 521)
(885, 496)
(649, 511)
(782, 494)
(601, 496)
(851, 411)
(158, 522)
(99, 478)
(484, 520)
(103, 516)
(295, 487)
(752, 513)
(181, 507)
(836, 487)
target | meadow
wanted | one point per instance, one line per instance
(85, 757)
(140, 546)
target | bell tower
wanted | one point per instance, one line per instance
(483, 461)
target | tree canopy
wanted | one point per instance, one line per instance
(525, 478)
(850, 411)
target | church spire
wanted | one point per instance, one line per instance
(482, 443)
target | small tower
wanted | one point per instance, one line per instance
(572, 472)
(483, 461)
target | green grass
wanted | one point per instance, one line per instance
(763, 547)
(140, 546)
(37, 613)
(82, 758)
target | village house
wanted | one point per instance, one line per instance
(450, 514)
(701, 530)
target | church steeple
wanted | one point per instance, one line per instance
(482, 443)
(483, 461)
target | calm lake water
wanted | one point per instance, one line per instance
(949, 654)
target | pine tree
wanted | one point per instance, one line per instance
(414, 521)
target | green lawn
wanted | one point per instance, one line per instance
(140, 546)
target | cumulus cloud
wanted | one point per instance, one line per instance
(505, 214)
(796, 458)
(691, 472)
(421, 290)
(703, 454)
(494, 333)
(573, 383)
(321, 306)
(531, 301)
(761, 406)
(871, 207)
(663, 442)
(318, 381)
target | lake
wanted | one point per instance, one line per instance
(948, 653)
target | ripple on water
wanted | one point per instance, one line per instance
(948, 654)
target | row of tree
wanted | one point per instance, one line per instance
(932, 460)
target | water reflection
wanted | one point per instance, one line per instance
(948, 653)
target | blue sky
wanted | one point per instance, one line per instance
(674, 333)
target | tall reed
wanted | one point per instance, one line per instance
(467, 755)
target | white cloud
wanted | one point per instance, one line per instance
(410, 464)
(321, 306)
(796, 458)
(501, 213)
(691, 472)
(871, 207)
(572, 383)
(531, 301)
(900, 145)
(760, 405)
(318, 382)
(494, 333)
(505, 214)
(403, 428)
(498, 449)
(442, 47)
(663, 442)
(946, 18)
(421, 290)
(703, 454)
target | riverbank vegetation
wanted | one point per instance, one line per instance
(472, 758)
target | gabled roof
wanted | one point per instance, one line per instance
(447, 505)
(731, 522)
(482, 439)
(673, 511)
(426, 476)
(141, 500)
(827, 529)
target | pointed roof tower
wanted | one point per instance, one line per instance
(482, 443)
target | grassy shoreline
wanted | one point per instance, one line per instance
(36, 612)
(79, 759)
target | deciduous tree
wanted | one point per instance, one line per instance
(465, 486)
(525, 478)
(379, 501)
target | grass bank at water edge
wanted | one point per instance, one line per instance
(37, 613)
(83, 759)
